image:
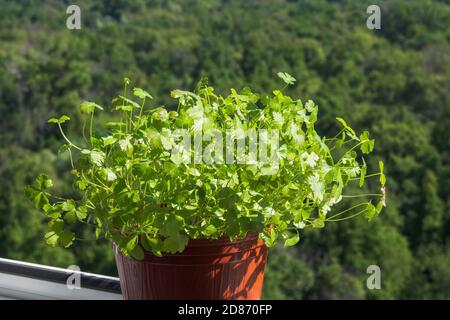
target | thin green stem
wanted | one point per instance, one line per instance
(55, 197)
(347, 210)
(347, 218)
(65, 138)
(90, 127)
(83, 130)
(71, 159)
(368, 176)
(363, 195)
(142, 108)
(94, 184)
(349, 150)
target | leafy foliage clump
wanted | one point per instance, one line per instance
(140, 194)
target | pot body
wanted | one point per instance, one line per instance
(206, 269)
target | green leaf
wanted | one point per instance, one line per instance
(381, 165)
(82, 184)
(382, 176)
(56, 235)
(346, 126)
(110, 175)
(175, 243)
(210, 230)
(81, 212)
(203, 83)
(318, 223)
(370, 212)
(140, 93)
(286, 77)
(270, 237)
(38, 197)
(154, 245)
(52, 212)
(292, 239)
(126, 108)
(51, 238)
(68, 205)
(172, 225)
(109, 140)
(53, 120)
(137, 253)
(66, 238)
(96, 157)
(366, 144)
(43, 182)
(131, 243)
(382, 179)
(379, 207)
(62, 119)
(130, 102)
(89, 107)
(71, 217)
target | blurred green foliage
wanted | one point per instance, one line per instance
(393, 81)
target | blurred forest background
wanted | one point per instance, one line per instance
(393, 81)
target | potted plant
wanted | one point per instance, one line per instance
(191, 198)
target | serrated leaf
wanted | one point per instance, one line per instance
(38, 197)
(66, 238)
(71, 217)
(366, 143)
(97, 157)
(140, 93)
(68, 205)
(126, 108)
(51, 238)
(370, 212)
(286, 77)
(292, 239)
(89, 107)
(175, 243)
(43, 182)
(130, 102)
(81, 212)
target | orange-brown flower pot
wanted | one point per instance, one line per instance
(205, 270)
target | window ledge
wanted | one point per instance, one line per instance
(22, 280)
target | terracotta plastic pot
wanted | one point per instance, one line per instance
(205, 270)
